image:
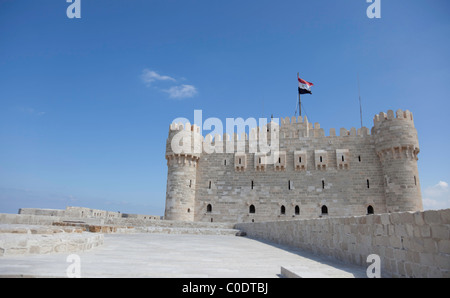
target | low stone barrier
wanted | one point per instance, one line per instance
(22, 239)
(410, 244)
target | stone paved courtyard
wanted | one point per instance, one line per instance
(185, 256)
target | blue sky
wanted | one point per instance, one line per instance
(85, 104)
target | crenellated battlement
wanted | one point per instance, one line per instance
(400, 115)
(186, 127)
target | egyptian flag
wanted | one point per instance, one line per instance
(304, 87)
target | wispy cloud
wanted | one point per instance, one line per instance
(182, 91)
(437, 196)
(149, 76)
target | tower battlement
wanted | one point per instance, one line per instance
(400, 115)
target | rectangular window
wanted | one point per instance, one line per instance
(368, 185)
(323, 184)
(252, 184)
(289, 184)
(209, 184)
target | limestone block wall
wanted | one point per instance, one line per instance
(18, 239)
(410, 244)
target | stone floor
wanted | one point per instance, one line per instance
(190, 256)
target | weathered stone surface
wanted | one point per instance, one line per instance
(416, 248)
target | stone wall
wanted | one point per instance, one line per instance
(17, 239)
(410, 244)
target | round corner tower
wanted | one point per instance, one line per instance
(183, 151)
(397, 146)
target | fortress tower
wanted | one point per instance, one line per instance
(306, 175)
(183, 149)
(397, 146)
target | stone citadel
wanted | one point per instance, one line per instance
(309, 175)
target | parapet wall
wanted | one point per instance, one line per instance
(410, 244)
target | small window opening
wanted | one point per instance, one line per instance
(189, 210)
(368, 184)
(239, 161)
(323, 184)
(283, 209)
(209, 208)
(259, 160)
(211, 219)
(342, 157)
(251, 209)
(321, 159)
(190, 183)
(324, 209)
(279, 159)
(359, 158)
(252, 184)
(299, 159)
(225, 162)
(415, 180)
(289, 184)
(297, 210)
(370, 210)
(209, 185)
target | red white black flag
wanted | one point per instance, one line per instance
(304, 87)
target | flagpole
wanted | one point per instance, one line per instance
(299, 105)
(360, 106)
(299, 99)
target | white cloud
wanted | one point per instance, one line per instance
(437, 196)
(149, 76)
(182, 91)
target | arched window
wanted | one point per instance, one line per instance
(324, 210)
(251, 209)
(283, 209)
(370, 210)
(297, 210)
(209, 208)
